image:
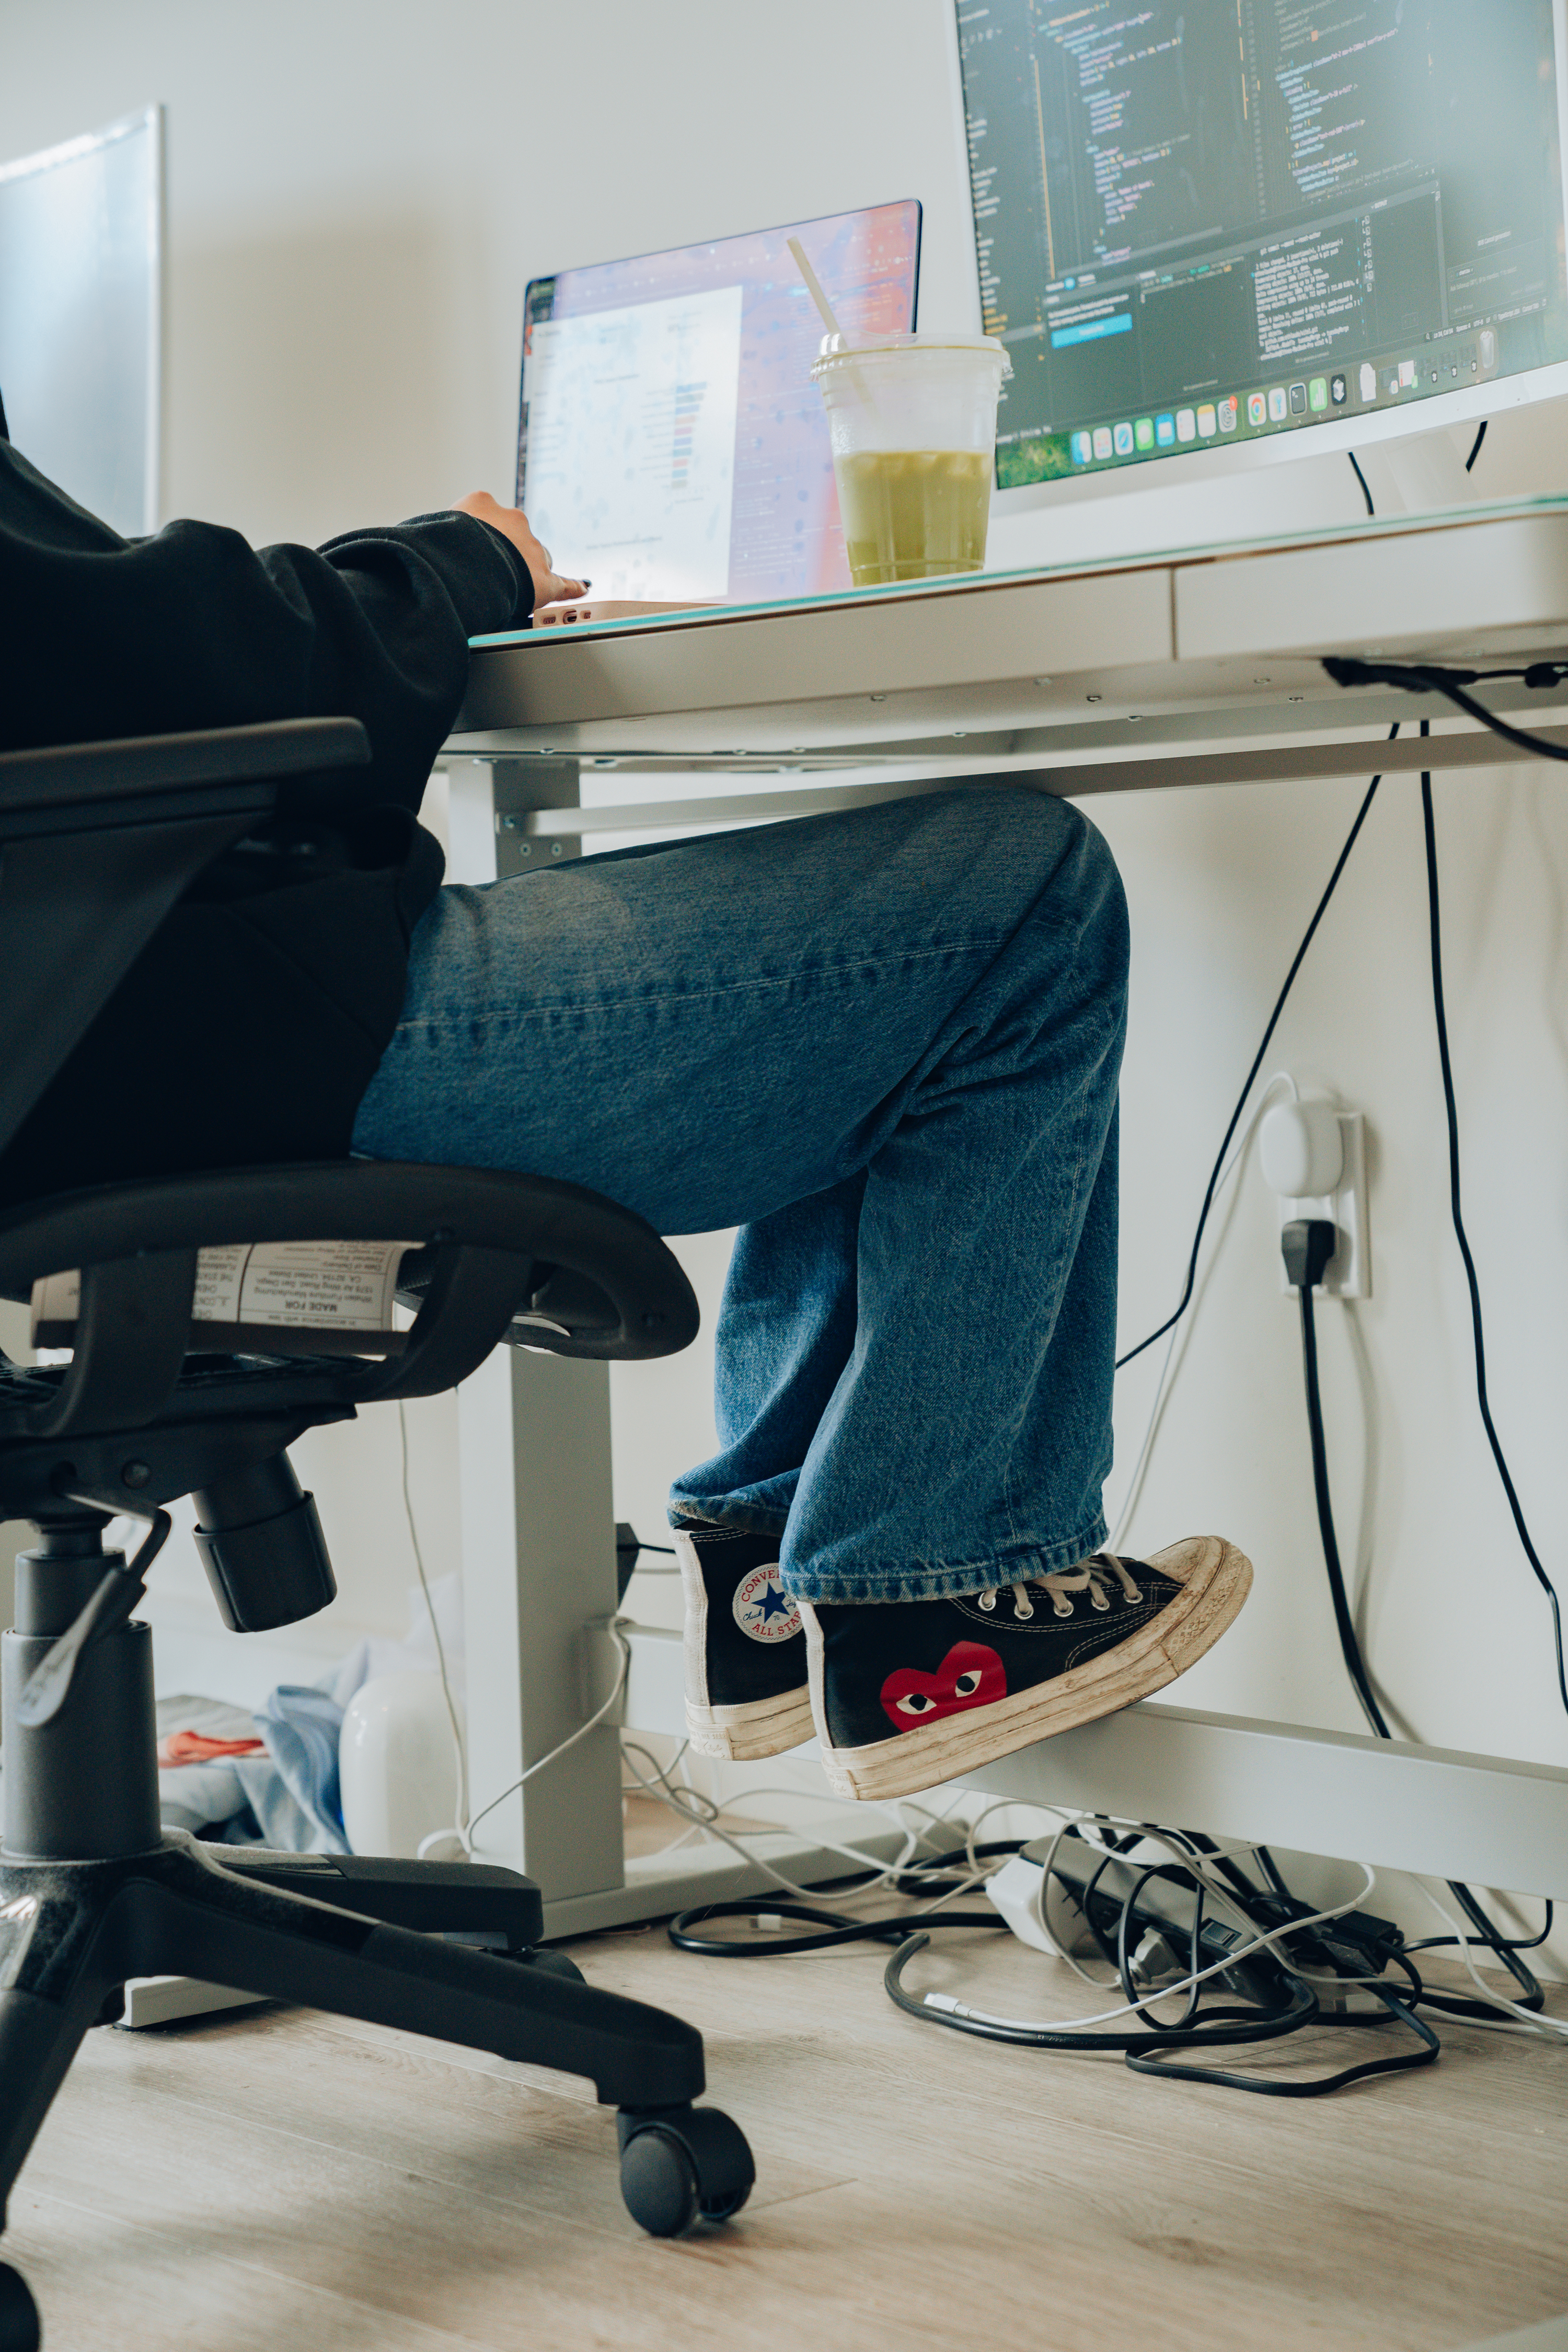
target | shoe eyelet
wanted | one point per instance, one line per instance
(1022, 1610)
(1064, 1606)
(988, 1603)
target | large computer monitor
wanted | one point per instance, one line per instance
(82, 315)
(1217, 234)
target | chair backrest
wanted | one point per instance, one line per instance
(97, 843)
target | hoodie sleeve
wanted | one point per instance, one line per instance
(195, 628)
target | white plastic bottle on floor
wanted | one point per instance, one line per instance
(398, 1775)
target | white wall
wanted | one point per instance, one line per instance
(359, 189)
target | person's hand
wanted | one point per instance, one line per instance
(549, 585)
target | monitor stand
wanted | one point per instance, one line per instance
(1422, 472)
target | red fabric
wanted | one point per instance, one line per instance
(195, 1747)
(970, 1676)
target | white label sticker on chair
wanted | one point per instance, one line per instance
(313, 1286)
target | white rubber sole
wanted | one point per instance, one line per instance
(1216, 1579)
(743, 1733)
(763, 1727)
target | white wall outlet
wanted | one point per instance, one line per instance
(1348, 1274)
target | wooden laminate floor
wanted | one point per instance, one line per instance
(282, 2180)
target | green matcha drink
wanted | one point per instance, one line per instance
(912, 424)
(910, 514)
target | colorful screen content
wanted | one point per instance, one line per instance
(671, 442)
(1201, 222)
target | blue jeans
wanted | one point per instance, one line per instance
(884, 1044)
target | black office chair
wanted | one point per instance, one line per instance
(97, 843)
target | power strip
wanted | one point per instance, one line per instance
(1162, 1915)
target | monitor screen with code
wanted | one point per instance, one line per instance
(1200, 222)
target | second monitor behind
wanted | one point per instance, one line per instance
(671, 445)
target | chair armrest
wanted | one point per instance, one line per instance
(62, 775)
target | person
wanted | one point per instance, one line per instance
(884, 1044)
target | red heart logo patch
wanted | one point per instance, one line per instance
(970, 1676)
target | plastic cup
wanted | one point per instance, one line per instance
(912, 420)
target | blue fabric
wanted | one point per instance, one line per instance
(251, 1798)
(300, 1727)
(884, 1044)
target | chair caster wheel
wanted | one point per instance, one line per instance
(680, 2165)
(19, 2328)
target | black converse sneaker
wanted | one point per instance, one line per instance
(746, 1693)
(910, 1693)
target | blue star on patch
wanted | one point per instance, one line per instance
(773, 1603)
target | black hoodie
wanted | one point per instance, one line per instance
(251, 1024)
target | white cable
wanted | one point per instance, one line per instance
(570, 1741)
(461, 1825)
(661, 1773)
(880, 1873)
(979, 1868)
(1169, 1369)
(1529, 2020)
(1060, 1941)
(802, 1894)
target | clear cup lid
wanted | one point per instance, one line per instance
(839, 350)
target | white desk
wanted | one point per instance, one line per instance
(1200, 666)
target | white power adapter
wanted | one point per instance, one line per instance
(1314, 1157)
(1302, 1149)
(1018, 1891)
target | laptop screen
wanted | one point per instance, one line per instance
(672, 443)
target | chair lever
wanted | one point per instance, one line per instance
(49, 1686)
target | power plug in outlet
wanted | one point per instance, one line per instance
(1315, 1158)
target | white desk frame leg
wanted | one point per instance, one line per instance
(539, 1569)
(539, 1543)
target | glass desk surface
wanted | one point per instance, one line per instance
(1219, 643)
(1341, 534)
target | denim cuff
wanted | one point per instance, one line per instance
(935, 1580)
(725, 1515)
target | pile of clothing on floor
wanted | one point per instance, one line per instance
(269, 1776)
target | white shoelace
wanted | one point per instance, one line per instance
(1090, 1575)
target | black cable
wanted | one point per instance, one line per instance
(1513, 1943)
(1146, 2051)
(1296, 964)
(1228, 1868)
(1426, 677)
(1125, 1959)
(1304, 1263)
(1221, 2026)
(1456, 1215)
(1271, 1870)
(1350, 1647)
(1360, 477)
(1507, 1949)
(1154, 2062)
(838, 1928)
(1103, 1944)
(1476, 443)
(838, 1925)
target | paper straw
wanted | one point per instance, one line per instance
(814, 287)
